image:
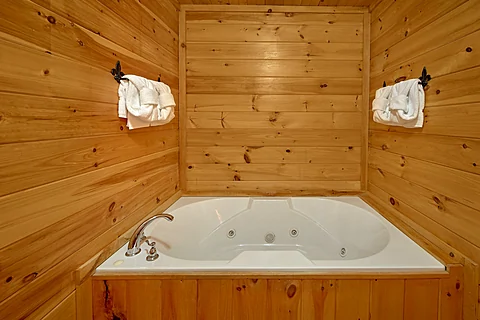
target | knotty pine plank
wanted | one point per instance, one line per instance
(421, 299)
(352, 301)
(271, 155)
(280, 120)
(215, 299)
(250, 299)
(276, 50)
(318, 299)
(273, 137)
(386, 300)
(451, 294)
(271, 85)
(243, 18)
(273, 188)
(284, 300)
(273, 172)
(274, 68)
(263, 103)
(205, 32)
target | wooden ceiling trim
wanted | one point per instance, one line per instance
(272, 9)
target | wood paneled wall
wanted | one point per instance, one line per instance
(430, 177)
(73, 177)
(273, 101)
(347, 297)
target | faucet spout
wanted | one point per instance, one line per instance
(138, 235)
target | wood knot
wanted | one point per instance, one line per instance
(438, 91)
(9, 279)
(80, 42)
(111, 207)
(449, 294)
(239, 289)
(236, 178)
(457, 285)
(246, 157)
(384, 147)
(158, 200)
(291, 290)
(46, 72)
(451, 254)
(94, 150)
(190, 167)
(287, 151)
(269, 11)
(30, 277)
(392, 201)
(288, 14)
(51, 19)
(183, 45)
(469, 49)
(350, 148)
(254, 280)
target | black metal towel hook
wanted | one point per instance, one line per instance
(424, 79)
(118, 74)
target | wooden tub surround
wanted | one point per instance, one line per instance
(280, 296)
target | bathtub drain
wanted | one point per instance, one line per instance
(293, 232)
(270, 237)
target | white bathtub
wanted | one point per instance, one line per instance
(275, 234)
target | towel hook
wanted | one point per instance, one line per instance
(117, 72)
(425, 78)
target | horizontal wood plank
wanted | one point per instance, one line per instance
(244, 18)
(262, 103)
(273, 188)
(266, 155)
(275, 50)
(269, 85)
(273, 172)
(274, 68)
(272, 137)
(288, 120)
(206, 32)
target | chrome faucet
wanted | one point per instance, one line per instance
(138, 235)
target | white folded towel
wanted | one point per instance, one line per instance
(400, 105)
(144, 102)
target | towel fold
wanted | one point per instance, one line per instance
(144, 102)
(400, 105)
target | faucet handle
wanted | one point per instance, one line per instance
(151, 244)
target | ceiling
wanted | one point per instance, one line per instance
(357, 3)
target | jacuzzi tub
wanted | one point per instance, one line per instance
(275, 234)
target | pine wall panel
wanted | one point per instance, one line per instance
(274, 101)
(430, 177)
(73, 178)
